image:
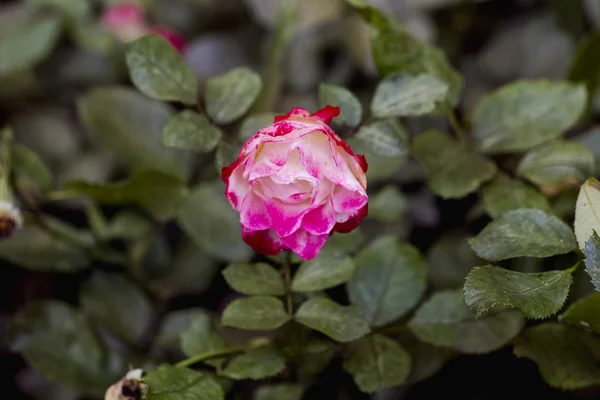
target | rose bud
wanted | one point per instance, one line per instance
(295, 183)
(126, 21)
(11, 219)
(176, 41)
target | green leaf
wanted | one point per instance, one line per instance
(445, 321)
(173, 383)
(408, 96)
(174, 325)
(316, 355)
(450, 259)
(130, 125)
(37, 249)
(592, 259)
(159, 193)
(395, 50)
(525, 232)
(350, 107)
(127, 224)
(453, 171)
(389, 280)
(57, 341)
(229, 96)
(341, 323)
(255, 364)
(425, 360)
(26, 162)
(380, 167)
(27, 45)
(386, 138)
(521, 115)
(75, 9)
(253, 123)
(201, 336)
(388, 205)
(377, 362)
(191, 272)
(587, 212)
(280, 391)
(159, 72)
(111, 300)
(562, 354)
(212, 224)
(90, 35)
(193, 131)
(78, 237)
(330, 268)
(586, 64)
(255, 313)
(252, 279)
(557, 162)
(96, 220)
(522, 195)
(349, 243)
(584, 313)
(226, 154)
(536, 295)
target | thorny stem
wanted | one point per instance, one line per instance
(458, 129)
(287, 276)
(209, 354)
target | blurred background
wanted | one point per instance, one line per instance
(491, 42)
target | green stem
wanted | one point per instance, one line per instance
(287, 276)
(6, 136)
(280, 43)
(458, 129)
(209, 354)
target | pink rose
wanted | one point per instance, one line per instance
(176, 41)
(127, 22)
(295, 183)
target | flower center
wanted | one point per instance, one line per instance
(292, 184)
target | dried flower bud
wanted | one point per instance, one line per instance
(131, 387)
(10, 219)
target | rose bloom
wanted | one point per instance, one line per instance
(295, 183)
(127, 22)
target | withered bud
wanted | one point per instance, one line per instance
(10, 219)
(131, 387)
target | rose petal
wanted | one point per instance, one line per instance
(124, 14)
(352, 220)
(264, 242)
(296, 112)
(327, 113)
(237, 186)
(321, 220)
(253, 214)
(286, 218)
(267, 161)
(176, 41)
(305, 244)
(346, 201)
(319, 160)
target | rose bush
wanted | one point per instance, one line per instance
(152, 198)
(295, 183)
